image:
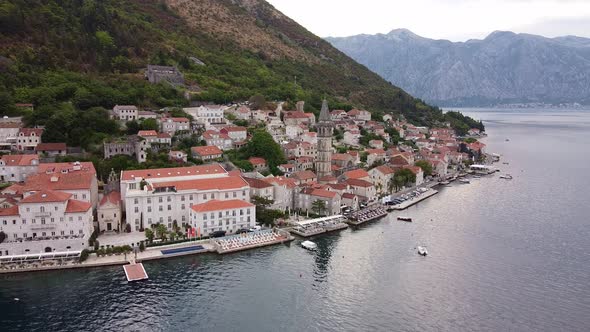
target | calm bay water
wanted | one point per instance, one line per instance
(504, 256)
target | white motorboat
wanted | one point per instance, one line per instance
(506, 176)
(309, 245)
(422, 251)
(408, 219)
(463, 180)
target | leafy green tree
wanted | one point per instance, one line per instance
(318, 206)
(425, 166)
(263, 145)
(161, 231)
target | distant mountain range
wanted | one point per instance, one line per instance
(503, 68)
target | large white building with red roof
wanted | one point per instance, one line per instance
(46, 221)
(28, 139)
(222, 215)
(166, 195)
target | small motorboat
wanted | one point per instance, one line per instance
(463, 180)
(408, 219)
(309, 245)
(422, 251)
(506, 176)
(507, 140)
(444, 182)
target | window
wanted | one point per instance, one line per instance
(204, 224)
(63, 233)
(220, 214)
(24, 221)
(79, 218)
(42, 209)
(248, 211)
(226, 195)
(25, 235)
(149, 220)
(169, 207)
(182, 206)
(241, 212)
(204, 216)
(56, 208)
(233, 213)
(235, 194)
(160, 208)
(71, 218)
(149, 209)
(83, 196)
(52, 220)
(136, 209)
(243, 193)
(169, 220)
(42, 234)
(80, 232)
(183, 218)
(42, 221)
(169, 199)
(160, 199)
(212, 215)
(52, 233)
(182, 198)
(135, 201)
(204, 196)
(71, 232)
(190, 197)
(248, 219)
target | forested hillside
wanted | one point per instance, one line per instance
(74, 59)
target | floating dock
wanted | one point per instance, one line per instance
(415, 200)
(135, 272)
(318, 226)
(367, 214)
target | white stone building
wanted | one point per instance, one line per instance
(216, 215)
(28, 139)
(152, 196)
(124, 113)
(109, 212)
(46, 221)
(207, 114)
(16, 168)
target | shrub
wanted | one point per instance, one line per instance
(84, 255)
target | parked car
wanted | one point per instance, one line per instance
(218, 234)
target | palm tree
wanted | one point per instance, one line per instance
(161, 231)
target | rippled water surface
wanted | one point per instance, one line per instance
(504, 256)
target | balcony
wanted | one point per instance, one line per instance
(41, 227)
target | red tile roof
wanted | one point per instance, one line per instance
(30, 131)
(19, 159)
(323, 193)
(281, 181)
(75, 206)
(348, 196)
(356, 174)
(170, 172)
(164, 135)
(84, 167)
(216, 205)
(45, 196)
(209, 150)
(59, 181)
(223, 183)
(145, 133)
(114, 197)
(257, 161)
(11, 211)
(234, 129)
(257, 183)
(51, 147)
(384, 169)
(304, 175)
(375, 151)
(359, 183)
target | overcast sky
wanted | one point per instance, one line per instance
(457, 20)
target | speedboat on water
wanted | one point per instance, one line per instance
(506, 176)
(408, 219)
(309, 245)
(463, 180)
(422, 251)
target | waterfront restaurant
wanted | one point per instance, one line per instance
(319, 225)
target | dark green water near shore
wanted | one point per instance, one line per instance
(504, 256)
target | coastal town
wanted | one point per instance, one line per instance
(253, 174)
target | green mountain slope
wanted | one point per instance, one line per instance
(89, 53)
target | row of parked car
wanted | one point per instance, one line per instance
(405, 197)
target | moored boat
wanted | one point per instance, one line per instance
(463, 180)
(309, 245)
(506, 176)
(422, 251)
(408, 219)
